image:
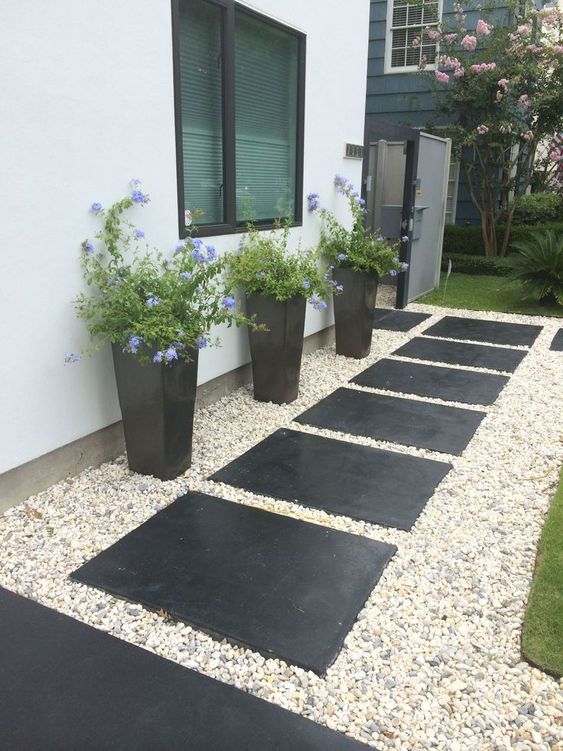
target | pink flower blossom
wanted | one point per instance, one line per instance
(441, 77)
(505, 128)
(433, 34)
(558, 49)
(423, 62)
(449, 63)
(482, 129)
(524, 101)
(503, 83)
(450, 37)
(528, 136)
(482, 28)
(459, 72)
(415, 42)
(523, 30)
(498, 96)
(469, 42)
(482, 67)
(533, 48)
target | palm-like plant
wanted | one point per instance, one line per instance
(539, 266)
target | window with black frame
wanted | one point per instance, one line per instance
(239, 116)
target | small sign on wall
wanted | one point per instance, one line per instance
(354, 151)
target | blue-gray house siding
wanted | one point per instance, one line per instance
(405, 98)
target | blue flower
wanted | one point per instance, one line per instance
(96, 207)
(201, 342)
(360, 202)
(179, 247)
(392, 272)
(199, 255)
(88, 247)
(133, 344)
(228, 302)
(395, 259)
(158, 356)
(342, 256)
(70, 357)
(317, 303)
(197, 243)
(138, 196)
(152, 300)
(171, 354)
(404, 266)
(338, 287)
(139, 233)
(405, 239)
(306, 284)
(313, 201)
(134, 182)
(186, 275)
(342, 185)
(211, 252)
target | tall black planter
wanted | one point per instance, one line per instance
(276, 353)
(157, 405)
(353, 312)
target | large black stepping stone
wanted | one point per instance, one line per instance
(450, 384)
(397, 320)
(557, 342)
(69, 687)
(460, 353)
(284, 587)
(382, 487)
(390, 418)
(494, 332)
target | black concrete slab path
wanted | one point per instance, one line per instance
(449, 384)
(382, 487)
(460, 353)
(66, 686)
(389, 418)
(557, 342)
(397, 320)
(282, 586)
(478, 330)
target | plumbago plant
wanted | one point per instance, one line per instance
(501, 93)
(264, 265)
(156, 308)
(355, 248)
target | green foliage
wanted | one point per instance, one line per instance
(357, 248)
(538, 208)
(469, 240)
(471, 264)
(542, 633)
(152, 306)
(264, 265)
(539, 266)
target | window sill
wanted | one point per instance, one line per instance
(408, 69)
(227, 229)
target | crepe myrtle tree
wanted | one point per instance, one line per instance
(500, 87)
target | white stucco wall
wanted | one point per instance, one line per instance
(87, 103)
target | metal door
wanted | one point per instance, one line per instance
(429, 214)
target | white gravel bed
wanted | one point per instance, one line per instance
(433, 661)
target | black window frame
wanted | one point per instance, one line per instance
(230, 225)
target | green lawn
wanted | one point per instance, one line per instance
(542, 635)
(478, 292)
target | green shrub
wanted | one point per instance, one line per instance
(467, 264)
(538, 208)
(538, 265)
(468, 240)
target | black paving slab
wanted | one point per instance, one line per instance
(382, 487)
(477, 330)
(281, 586)
(397, 320)
(449, 384)
(460, 353)
(557, 342)
(389, 418)
(66, 686)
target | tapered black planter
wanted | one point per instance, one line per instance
(276, 353)
(353, 312)
(157, 405)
